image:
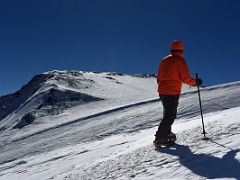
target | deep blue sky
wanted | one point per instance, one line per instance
(127, 36)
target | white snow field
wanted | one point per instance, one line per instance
(75, 125)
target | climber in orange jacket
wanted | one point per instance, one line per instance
(172, 72)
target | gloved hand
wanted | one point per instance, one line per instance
(198, 82)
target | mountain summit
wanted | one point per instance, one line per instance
(52, 93)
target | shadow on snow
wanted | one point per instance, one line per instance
(206, 165)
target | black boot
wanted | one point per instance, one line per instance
(165, 141)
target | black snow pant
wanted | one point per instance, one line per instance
(170, 104)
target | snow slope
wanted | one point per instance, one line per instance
(56, 94)
(111, 137)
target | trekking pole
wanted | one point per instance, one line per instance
(200, 104)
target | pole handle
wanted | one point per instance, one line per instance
(196, 75)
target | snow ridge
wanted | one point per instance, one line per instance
(54, 92)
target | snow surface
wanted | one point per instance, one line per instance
(105, 128)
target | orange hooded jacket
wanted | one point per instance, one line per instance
(172, 71)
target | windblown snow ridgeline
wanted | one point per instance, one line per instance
(84, 125)
(54, 92)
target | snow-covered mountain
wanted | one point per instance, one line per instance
(50, 95)
(86, 125)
